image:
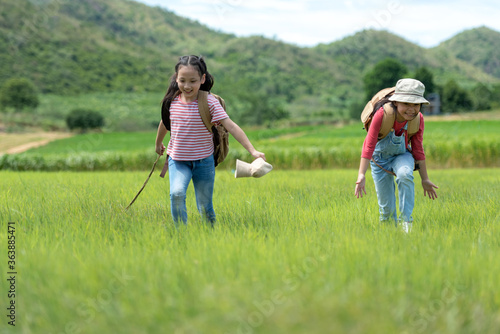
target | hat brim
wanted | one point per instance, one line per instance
(243, 169)
(408, 99)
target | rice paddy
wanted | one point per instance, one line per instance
(292, 252)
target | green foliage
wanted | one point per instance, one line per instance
(124, 46)
(84, 119)
(18, 93)
(425, 76)
(113, 45)
(355, 109)
(261, 108)
(269, 78)
(122, 111)
(482, 97)
(454, 98)
(478, 47)
(385, 74)
(360, 52)
(495, 96)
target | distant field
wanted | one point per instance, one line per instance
(448, 144)
(293, 252)
(122, 111)
(140, 111)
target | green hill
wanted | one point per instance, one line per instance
(81, 46)
(85, 46)
(479, 47)
(360, 52)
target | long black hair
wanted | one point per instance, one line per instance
(173, 89)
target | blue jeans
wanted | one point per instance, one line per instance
(202, 172)
(391, 154)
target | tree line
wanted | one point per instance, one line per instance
(260, 106)
(454, 98)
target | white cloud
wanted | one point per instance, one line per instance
(308, 23)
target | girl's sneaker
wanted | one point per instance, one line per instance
(406, 226)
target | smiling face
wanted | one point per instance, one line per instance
(406, 111)
(189, 82)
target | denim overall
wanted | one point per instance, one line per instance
(391, 154)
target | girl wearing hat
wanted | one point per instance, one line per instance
(190, 149)
(397, 153)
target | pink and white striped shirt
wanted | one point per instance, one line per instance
(189, 138)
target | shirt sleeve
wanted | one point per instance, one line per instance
(216, 111)
(372, 136)
(417, 140)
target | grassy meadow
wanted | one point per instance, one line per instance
(293, 252)
(448, 144)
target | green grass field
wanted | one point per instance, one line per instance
(448, 144)
(293, 252)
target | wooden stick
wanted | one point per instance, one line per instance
(151, 173)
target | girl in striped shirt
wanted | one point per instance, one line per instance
(190, 149)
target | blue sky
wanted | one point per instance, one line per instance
(307, 23)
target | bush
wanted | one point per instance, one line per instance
(385, 74)
(84, 119)
(481, 97)
(454, 98)
(425, 76)
(18, 94)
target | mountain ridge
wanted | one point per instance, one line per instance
(68, 47)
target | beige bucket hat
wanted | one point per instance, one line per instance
(257, 168)
(409, 91)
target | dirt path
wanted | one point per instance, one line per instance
(12, 143)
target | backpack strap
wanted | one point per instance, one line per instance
(385, 170)
(390, 117)
(387, 120)
(164, 169)
(204, 109)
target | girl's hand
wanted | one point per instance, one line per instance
(360, 186)
(256, 154)
(429, 189)
(160, 149)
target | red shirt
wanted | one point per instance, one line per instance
(372, 136)
(189, 137)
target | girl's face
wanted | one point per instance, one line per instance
(189, 82)
(407, 111)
